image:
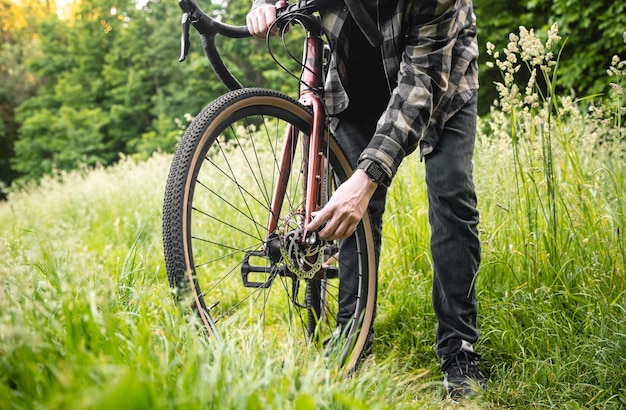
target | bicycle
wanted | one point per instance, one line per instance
(249, 171)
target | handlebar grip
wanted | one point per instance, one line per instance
(208, 25)
(208, 28)
(364, 22)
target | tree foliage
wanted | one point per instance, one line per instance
(17, 82)
(104, 79)
(101, 78)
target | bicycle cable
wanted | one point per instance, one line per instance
(283, 22)
(288, 19)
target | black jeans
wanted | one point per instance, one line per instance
(453, 219)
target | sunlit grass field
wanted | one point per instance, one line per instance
(87, 320)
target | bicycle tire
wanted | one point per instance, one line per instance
(215, 211)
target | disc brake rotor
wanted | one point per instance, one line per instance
(302, 259)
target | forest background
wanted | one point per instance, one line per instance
(88, 82)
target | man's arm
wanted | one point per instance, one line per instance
(345, 209)
(423, 81)
(439, 48)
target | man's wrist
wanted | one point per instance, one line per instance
(374, 171)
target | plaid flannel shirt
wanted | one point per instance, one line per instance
(430, 53)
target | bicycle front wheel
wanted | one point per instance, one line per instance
(220, 254)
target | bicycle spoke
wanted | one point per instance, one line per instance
(258, 238)
(226, 256)
(237, 184)
(264, 204)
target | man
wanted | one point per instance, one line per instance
(417, 90)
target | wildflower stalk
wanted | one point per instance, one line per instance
(548, 158)
(557, 195)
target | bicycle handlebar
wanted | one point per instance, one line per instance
(208, 27)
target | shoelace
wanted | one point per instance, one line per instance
(466, 363)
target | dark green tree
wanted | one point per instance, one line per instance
(67, 123)
(593, 32)
(113, 83)
(17, 83)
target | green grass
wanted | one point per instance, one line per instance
(87, 320)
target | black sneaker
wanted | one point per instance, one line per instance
(462, 375)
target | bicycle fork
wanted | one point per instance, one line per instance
(311, 88)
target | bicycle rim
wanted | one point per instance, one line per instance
(218, 251)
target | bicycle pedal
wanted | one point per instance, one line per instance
(261, 266)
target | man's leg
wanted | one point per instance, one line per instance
(455, 248)
(454, 218)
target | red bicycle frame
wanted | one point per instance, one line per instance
(311, 86)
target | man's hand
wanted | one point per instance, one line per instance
(260, 19)
(345, 208)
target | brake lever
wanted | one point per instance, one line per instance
(184, 38)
